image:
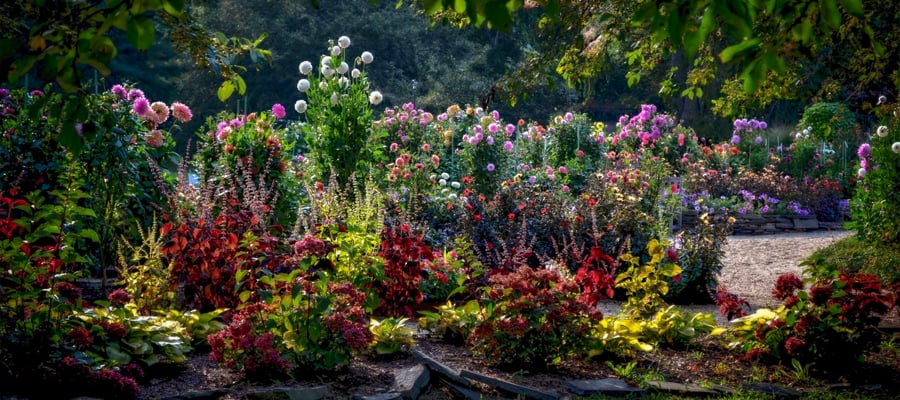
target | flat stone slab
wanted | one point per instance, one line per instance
(610, 386)
(780, 392)
(681, 388)
(412, 381)
(441, 370)
(288, 393)
(199, 395)
(802, 223)
(382, 396)
(510, 387)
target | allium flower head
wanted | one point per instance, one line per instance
(375, 98)
(300, 106)
(508, 146)
(758, 140)
(491, 167)
(344, 42)
(896, 147)
(343, 68)
(303, 85)
(366, 57)
(305, 67)
(355, 73)
(882, 131)
(335, 51)
(181, 112)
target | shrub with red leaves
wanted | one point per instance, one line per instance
(533, 318)
(404, 253)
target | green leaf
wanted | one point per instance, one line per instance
(113, 352)
(141, 33)
(830, 13)
(733, 51)
(90, 234)
(240, 84)
(174, 7)
(853, 7)
(68, 137)
(225, 90)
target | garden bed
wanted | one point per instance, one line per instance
(751, 266)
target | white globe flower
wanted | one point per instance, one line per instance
(896, 147)
(334, 99)
(327, 71)
(344, 42)
(442, 182)
(355, 73)
(445, 176)
(452, 196)
(323, 85)
(882, 131)
(335, 51)
(799, 136)
(375, 98)
(343, 68)
(366, 57)
(344, 82)
(305, 67)
(303, 85)
(300, 106)
(454, 184)
(326, 61)
(861, 173)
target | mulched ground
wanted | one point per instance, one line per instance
(708, 362)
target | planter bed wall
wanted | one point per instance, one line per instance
(754, 224)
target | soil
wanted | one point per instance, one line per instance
(751, 266)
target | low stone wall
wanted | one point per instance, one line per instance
(764, 224)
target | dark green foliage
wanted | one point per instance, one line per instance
(876, 204)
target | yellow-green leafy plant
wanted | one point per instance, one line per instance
(142, 271)
(452, 323)
(646, 284)
(392, 335)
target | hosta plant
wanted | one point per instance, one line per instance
(391, 335)
(452, 323)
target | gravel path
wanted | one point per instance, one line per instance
(753, 263)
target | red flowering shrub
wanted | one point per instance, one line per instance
(532, 317)
(240, 346)
(730, 305)
(119, 297)
(786, 285)
(833, 325)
